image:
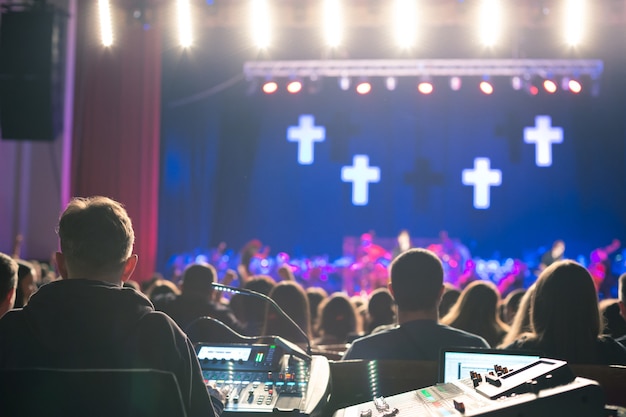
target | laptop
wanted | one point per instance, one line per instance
(456, 363)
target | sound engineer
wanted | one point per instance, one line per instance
(88, 320)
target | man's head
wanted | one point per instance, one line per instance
(8, 283)
(197, 280)
(622, 295)
(416, 280)
(97, 238)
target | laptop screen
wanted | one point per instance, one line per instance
(456, 363)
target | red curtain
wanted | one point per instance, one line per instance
(116, 139)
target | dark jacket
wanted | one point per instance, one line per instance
(80, 323)
(418, 340)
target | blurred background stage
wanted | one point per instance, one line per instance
(189, 140)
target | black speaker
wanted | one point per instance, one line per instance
(31, 69)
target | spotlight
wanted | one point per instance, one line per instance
(314, 85)
(425, 87)
(270, 87)
(549, 86)
(490, 20)
(533, 90)
(574, 21)
(260, 20)
(344, 83)
(294, 86)
(574, 86)
(364, 87)
(486, 87)
(455, 83)
(184, 23)
(517, 83)
(404, 22)
(332, 22)
(106, 28)
(391, 83)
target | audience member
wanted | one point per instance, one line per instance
(448, 299)
(291, 298)
(338, 322)
(614, 324)
(521, 322)
(511, 305)
(196, 299)
(26, 283)
(286, 273)
(88, 320)
(476, 311)
(253, 309)
(8, 283)
(161, 292)
(417, 285)
(566, 319)
(381, 310)
(315, 296)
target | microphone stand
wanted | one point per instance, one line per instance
(243, 291)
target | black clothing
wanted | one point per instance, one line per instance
(416, 340)
(81, 323)
(186, 308)
(608, 351)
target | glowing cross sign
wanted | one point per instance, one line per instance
(543, 135)
(306, 134)
(360, 174)
(482, 177)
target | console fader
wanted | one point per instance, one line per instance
(266, 378)
(544, 388)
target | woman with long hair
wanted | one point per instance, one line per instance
(292, 298)
(566, 320)
(476, 311)
(521, 324)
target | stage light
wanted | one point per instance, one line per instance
(549, 86)
(574, 86)
(106, 27)
(533, 90)
(294, 86)
(270, 87)
(490, 22)
(425, 87)
(332, 22)
(486, 87)
(344, 83)
(184, 23)
(260, 20)
(364, 87)
(391, 83)
(574, 21)
(455, 83)
(516, 83)
(404, 22)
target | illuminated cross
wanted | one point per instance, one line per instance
(543, 135)
(306, 134)
(482, 177)
(360, 174)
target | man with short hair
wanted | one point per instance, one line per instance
(196, 299)
(88, 320)
(416, 283)
(8, 283)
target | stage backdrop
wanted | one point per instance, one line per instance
(237, 165)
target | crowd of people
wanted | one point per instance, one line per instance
(96, 316)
